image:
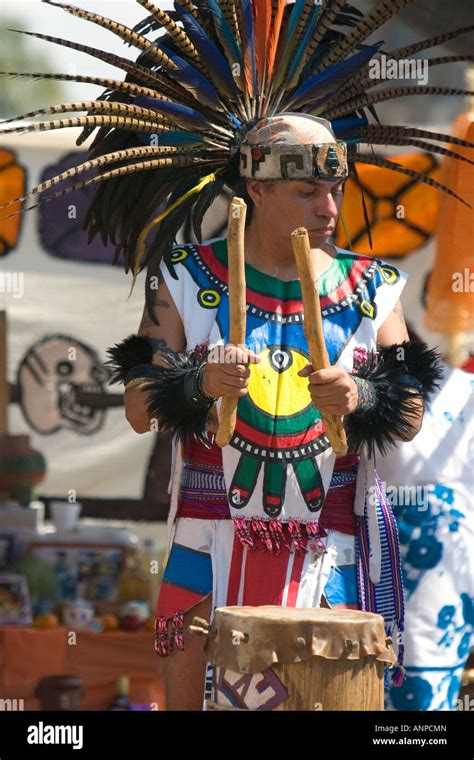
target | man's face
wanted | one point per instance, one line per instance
(314, 204)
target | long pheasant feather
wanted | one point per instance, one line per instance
(175, 162)
(120, 30)
(110, 84)
(393, 166)
(124, 122)
(178, 35)
(423, 145)
(382, 12)
(229, 11)
(299, 59)
(439, 39)
(355, 104)
(99, 106)
(361, 82)
(188, 6)
(325, 20)
(140, 72)
(387, 131)
(95, 163)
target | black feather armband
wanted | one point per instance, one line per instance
(174, 390)
(395, 377)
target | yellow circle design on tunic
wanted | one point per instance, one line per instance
(178, 254)
(389, 275)
(209, 298)
(279, 393)
(367, 308)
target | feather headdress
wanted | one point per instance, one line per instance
(169, 132)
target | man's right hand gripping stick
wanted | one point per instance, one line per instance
(313, 328)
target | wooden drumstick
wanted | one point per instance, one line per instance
(237, 307)
(313, 328)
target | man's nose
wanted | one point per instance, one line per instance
(326, 205)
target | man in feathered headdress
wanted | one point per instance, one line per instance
(277, 488)
(271, 99)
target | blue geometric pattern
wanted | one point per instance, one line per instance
(424, 529)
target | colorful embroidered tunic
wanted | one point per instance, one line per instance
(268, 490)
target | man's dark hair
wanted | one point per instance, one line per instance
(239, 188)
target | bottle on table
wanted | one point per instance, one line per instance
(133, 583)
(121, 700)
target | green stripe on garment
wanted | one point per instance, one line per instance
(289, 290)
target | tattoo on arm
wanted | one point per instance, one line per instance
(398, 311)
(146, 320)
(160, 303)
(154, 285)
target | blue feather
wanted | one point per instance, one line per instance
(223, 27)
(181, 115)
(323, 85)
(346, 129)
(304, 42)
(248, 41)
(236, 122)
(211, 56)
(192, 80)
(294, 18)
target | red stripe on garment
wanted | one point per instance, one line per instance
(254, 298)
(235, 572)
(265, 576)
(313, 492)
(348, 285)
(274, 305)
(270, 440)
(173, 598)
(271, 499)
(197, 452)
(209, 510)
(338, 509)
(294, 585)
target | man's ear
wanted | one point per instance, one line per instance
(255, 189)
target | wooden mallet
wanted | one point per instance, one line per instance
(313, 328)
(237, 307)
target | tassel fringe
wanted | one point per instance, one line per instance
(269, 535)
(167, 640)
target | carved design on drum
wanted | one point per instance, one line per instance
(254, 691)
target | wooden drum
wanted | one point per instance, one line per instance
(282, 658)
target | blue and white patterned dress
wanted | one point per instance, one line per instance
(431, 485)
